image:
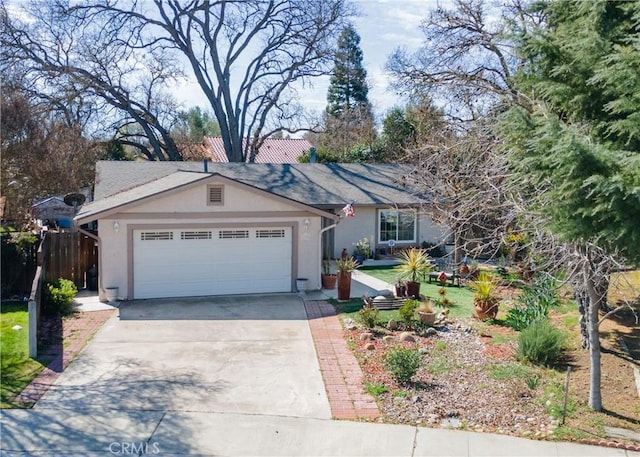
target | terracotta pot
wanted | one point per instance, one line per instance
(427, 318)
(413, 289)
(344, 286)
(329, 281)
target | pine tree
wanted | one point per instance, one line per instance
(349, 117)
(576, 151)
(348, 88)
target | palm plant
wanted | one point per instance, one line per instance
(414, 264)
(347, 265)
(485, 299)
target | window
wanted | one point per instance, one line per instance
(397, 225)
(195, 235)
(215, 195)
(270, 233)
(156, 236)
(233, 234)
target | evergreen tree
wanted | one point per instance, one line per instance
(576, 151)
(349, 119)
(348, 88)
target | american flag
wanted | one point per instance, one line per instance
(348, 210)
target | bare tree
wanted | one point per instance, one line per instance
(245, 56)
(463, 174)
(467, 60)
(42, 154)
(73, 60)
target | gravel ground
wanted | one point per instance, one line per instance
(465, 381)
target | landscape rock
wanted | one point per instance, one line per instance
(370, 347)
(388, 338)
(366, 336)
(407, 337)
(349, 324)
(451, 422)
(386, 293)
(431, 331)
(392, 324)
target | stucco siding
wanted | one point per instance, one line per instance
(365, 225)
(189, 208)
(194, 198)
(352, 229)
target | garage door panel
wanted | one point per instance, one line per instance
(191, 262)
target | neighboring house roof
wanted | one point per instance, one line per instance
(273, 150)
(52, 208)
(318, 185)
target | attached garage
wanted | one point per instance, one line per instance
(211, 261)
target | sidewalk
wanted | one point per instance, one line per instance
(77, 330)
(173, 433)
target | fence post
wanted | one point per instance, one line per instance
(35, 297)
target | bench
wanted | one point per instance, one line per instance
(387, 303)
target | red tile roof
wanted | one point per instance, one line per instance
(274, 150)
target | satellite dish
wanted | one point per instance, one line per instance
(74, 199)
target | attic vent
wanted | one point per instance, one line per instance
(156, 236)
(215, 195)
(228, 234)
(205, 235)
(276, 233)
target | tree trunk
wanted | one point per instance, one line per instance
(595, 395)
(582, 299)
(456, 248)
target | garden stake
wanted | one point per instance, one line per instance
(566, 395)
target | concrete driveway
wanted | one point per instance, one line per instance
(235, 354)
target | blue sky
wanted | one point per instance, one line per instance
(383, 26)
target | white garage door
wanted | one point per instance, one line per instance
(192, 262)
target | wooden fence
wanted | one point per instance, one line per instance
(69, 256)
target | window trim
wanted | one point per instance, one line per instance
(215, 203)
(397, 211)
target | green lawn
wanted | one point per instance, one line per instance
(16, 368)
(461, 297)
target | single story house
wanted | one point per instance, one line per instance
(169, 229)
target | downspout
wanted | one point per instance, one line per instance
(326, 229)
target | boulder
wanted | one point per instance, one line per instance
(407, 337)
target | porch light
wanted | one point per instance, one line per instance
(116, 226)
(306, 225)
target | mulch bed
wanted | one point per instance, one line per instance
(454, 386)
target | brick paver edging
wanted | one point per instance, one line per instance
(76, 332)
(340, 370)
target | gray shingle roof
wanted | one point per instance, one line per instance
(319, 185)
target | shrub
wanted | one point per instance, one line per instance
(58, 297)
(541, 343)
(375, 389)
(408, 309)
(368, 316)
(534, 304)
(403, 363)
